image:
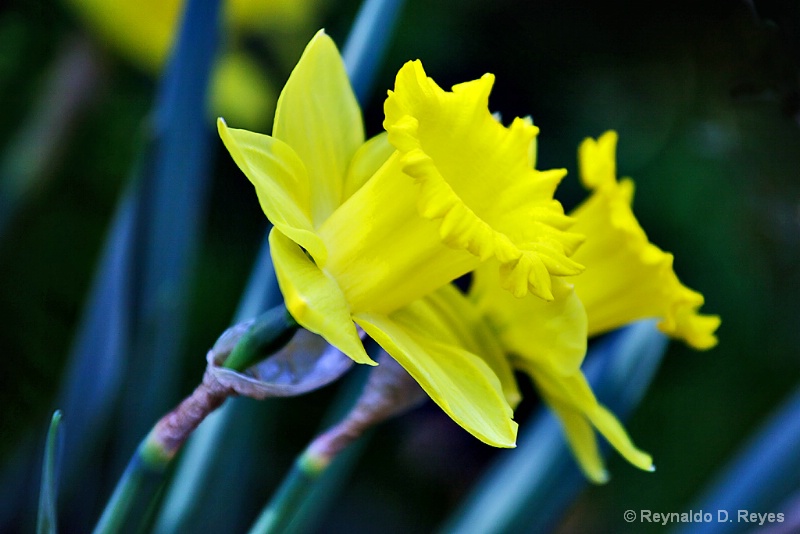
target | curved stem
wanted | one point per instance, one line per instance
(268, 333)
(144, 474)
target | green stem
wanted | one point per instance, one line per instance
(137, 487)
(298, 484)
(142, 479)
(269, 332)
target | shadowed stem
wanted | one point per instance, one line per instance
(269, 333)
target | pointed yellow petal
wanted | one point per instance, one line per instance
(581, 438)
(573, 394)
(366, 162)
(314, 299)
(611, 429)
(457, 380)
(476, 181)
(280, 180)
(318, 116)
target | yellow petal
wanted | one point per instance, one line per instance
(572, 396)
(144, 30)
(581, 438)
(457, 380)
(550, 333)
(475, 179)
(313, 299)
(611, 429)
(367, 160)
(120, 25)
(598, 161)
(451, 317)
(627, 277)
(275, 15)
(280, 180)
(318, 116)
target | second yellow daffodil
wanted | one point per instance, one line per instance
(630, 277)
(627, 278)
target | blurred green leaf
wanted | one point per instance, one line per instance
(760, 477)
(135, 319)
(47, 521)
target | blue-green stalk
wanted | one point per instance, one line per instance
(46, 521)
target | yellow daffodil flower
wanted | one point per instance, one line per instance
(365, 232)
(627, 278)
(630, 278)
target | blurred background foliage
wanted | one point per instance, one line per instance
(706, 100)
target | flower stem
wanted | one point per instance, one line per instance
(144, 474)
(135, 490)
(268, 333)
(278, 515)
(298, 484)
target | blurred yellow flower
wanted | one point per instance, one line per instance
(143, 32)
(367, 231)
(627, 278)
